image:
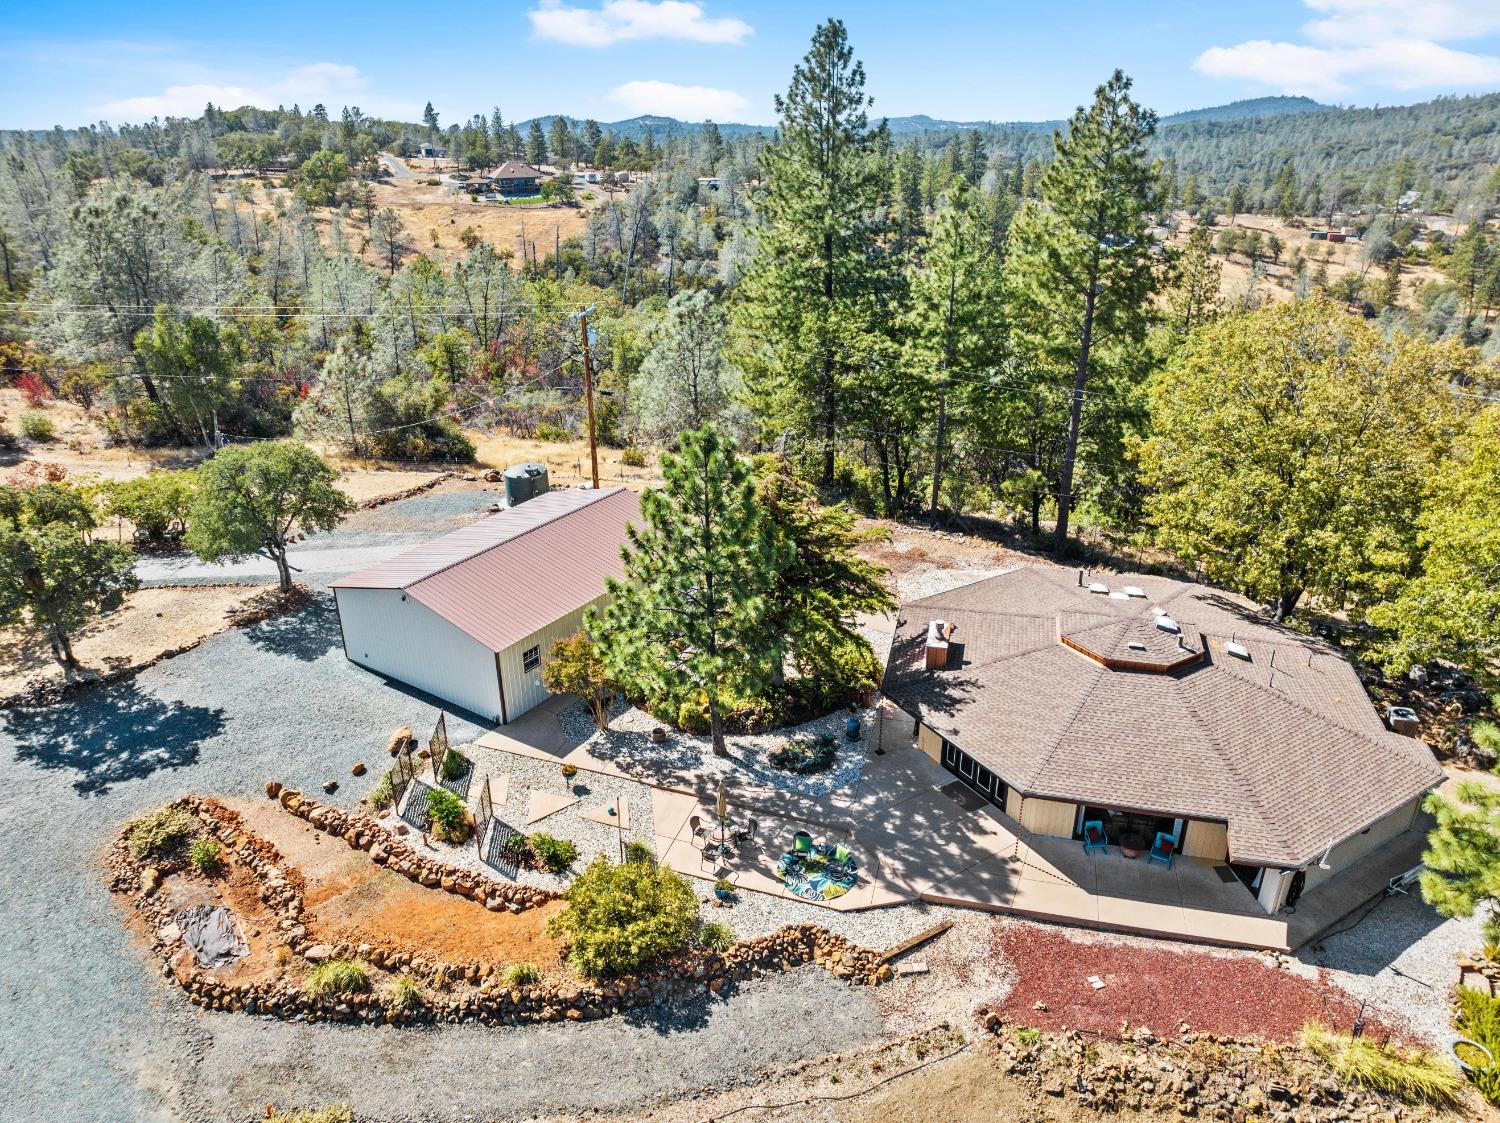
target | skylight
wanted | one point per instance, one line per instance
(1167, 624)
(1098, 587)
(1238, 650)
(1134, 591)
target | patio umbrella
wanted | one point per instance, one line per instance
(721, 805)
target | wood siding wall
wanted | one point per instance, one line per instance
(1206, 840)
(1042, 816)
(524, 689)
(930, 743)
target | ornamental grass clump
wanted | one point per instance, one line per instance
(619, 918)
(521, 974)
(159, 833)
(715, 935)
(406, 994)
(336, 977)
(1414, 1075)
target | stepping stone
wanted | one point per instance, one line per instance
(915, 967)
(542, 804)
(499, 789)
(601, 814)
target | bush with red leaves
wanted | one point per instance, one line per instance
(33, 389)
(1160, 987)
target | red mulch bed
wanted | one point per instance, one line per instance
(1161, 988)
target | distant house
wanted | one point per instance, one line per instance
(431, 152)
(471, 617)
(515, 178)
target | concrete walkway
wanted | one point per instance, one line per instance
(918, 834)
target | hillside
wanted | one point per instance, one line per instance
(1250, 107)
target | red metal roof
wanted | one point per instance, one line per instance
(514, 573)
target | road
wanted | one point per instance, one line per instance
(397, 169)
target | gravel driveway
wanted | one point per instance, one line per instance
(89, 1034)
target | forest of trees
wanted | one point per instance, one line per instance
(994, 322)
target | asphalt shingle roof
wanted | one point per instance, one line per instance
(1284, 747)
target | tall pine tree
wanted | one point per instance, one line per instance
(1082, 266)
(691, 620)
(812, 290)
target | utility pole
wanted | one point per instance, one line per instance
(588, 388)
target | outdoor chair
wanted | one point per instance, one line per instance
(842, 855)
(1094, 837)
(710, 855)
(696, 825)
(1162, 848)
(802, 844)
(746, 837)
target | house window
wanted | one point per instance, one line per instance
(531, 658)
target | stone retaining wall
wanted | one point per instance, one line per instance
(480, 994)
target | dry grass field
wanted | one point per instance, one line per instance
(435, 217)
(1277, 280)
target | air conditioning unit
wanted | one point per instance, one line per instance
(1403, 720)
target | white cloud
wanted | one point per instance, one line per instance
(1395, 44)
(617, 20)
(667, 99)
(329, 82)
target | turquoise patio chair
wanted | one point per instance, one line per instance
(1162, 849)
(1094, 837)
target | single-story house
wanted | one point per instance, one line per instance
(427, 151)
(1148, 705)
(471, 617)
(516, 178)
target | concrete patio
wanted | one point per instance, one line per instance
(918, 834)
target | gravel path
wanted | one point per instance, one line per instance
(89, 1034)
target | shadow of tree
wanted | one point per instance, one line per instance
(109, 736)
(306, 635)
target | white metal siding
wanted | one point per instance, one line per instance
(524, 689)
(394, 635)
(1351, 850)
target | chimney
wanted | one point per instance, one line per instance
(937, 646)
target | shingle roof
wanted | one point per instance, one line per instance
(514, 169)
(1284, 747)
(505, 577)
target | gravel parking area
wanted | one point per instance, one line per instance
(91, 1035)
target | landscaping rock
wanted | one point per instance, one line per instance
(358, 769)
(330, 786)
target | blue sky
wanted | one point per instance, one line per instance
(73, 61)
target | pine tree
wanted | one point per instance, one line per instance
(954, 327)
(429, 118)
(1462, 859)
(690, 620)
(812, 289)
(1195, 298)
(822, 587)
(1082, 268)
(536, 145)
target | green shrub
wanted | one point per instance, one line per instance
(406, 994)
(1412, 1074)
(1479, 1020)
(450, 818)
(336, 977)
(1486, 735)
(546, 431)
(555, 854)
(520, 975)
(1028, 1036)
(806, 754)
(636, 851)
(157, 503)
(159, 833)
(633, 458)
(36, 426)
(384, 791)
(618, 918)
(715, 936)
(206, 855)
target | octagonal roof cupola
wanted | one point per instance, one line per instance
(1158, 645)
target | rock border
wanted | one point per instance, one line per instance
(487, 1000)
